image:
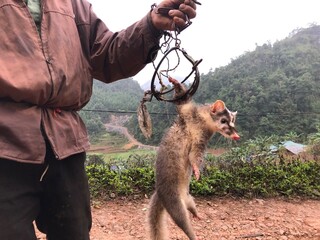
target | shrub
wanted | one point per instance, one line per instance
(240, 172)
(121, 177)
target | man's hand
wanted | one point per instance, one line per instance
(176, 17)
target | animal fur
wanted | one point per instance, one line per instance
(180, 154)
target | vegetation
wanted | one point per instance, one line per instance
(314, 143)
(121, 97)
(251, 170)
(276, 91)
(120, 176)
(113, 147)
(274, 88)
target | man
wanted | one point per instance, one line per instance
(50, 52)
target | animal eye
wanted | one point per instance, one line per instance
(223, 121)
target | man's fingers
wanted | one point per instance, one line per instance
(189, 10)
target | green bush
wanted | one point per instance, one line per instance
(247, 171)
(121, 177)
(291, 179)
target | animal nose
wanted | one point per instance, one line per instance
(235, 137)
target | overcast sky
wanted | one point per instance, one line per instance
(223, 29)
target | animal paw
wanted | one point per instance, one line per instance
(196, 217)
(174, 81)
(196, 171)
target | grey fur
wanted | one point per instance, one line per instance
(180, 153)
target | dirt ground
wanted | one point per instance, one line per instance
(222, 219)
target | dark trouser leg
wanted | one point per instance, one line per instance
(65, 204)
(19, 199)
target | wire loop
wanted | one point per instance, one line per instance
(160, 95)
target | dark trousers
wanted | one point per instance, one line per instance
(59, 203)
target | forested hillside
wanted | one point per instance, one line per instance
(275, 89)
(107, 99)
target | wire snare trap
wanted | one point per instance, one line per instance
(173, 58)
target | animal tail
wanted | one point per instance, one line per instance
(156, 219)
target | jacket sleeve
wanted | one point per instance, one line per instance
(115, 55)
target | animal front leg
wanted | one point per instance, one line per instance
(196, 171)
(196, 158)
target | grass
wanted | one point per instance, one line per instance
(111, 146)
(110, 139)
(125, 155)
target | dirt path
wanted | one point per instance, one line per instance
(111, 127)
(222, 219)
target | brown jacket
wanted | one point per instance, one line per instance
(46, 79)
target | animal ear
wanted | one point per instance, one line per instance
(218, 106)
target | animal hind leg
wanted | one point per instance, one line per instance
(179, 214)
(191, 206)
